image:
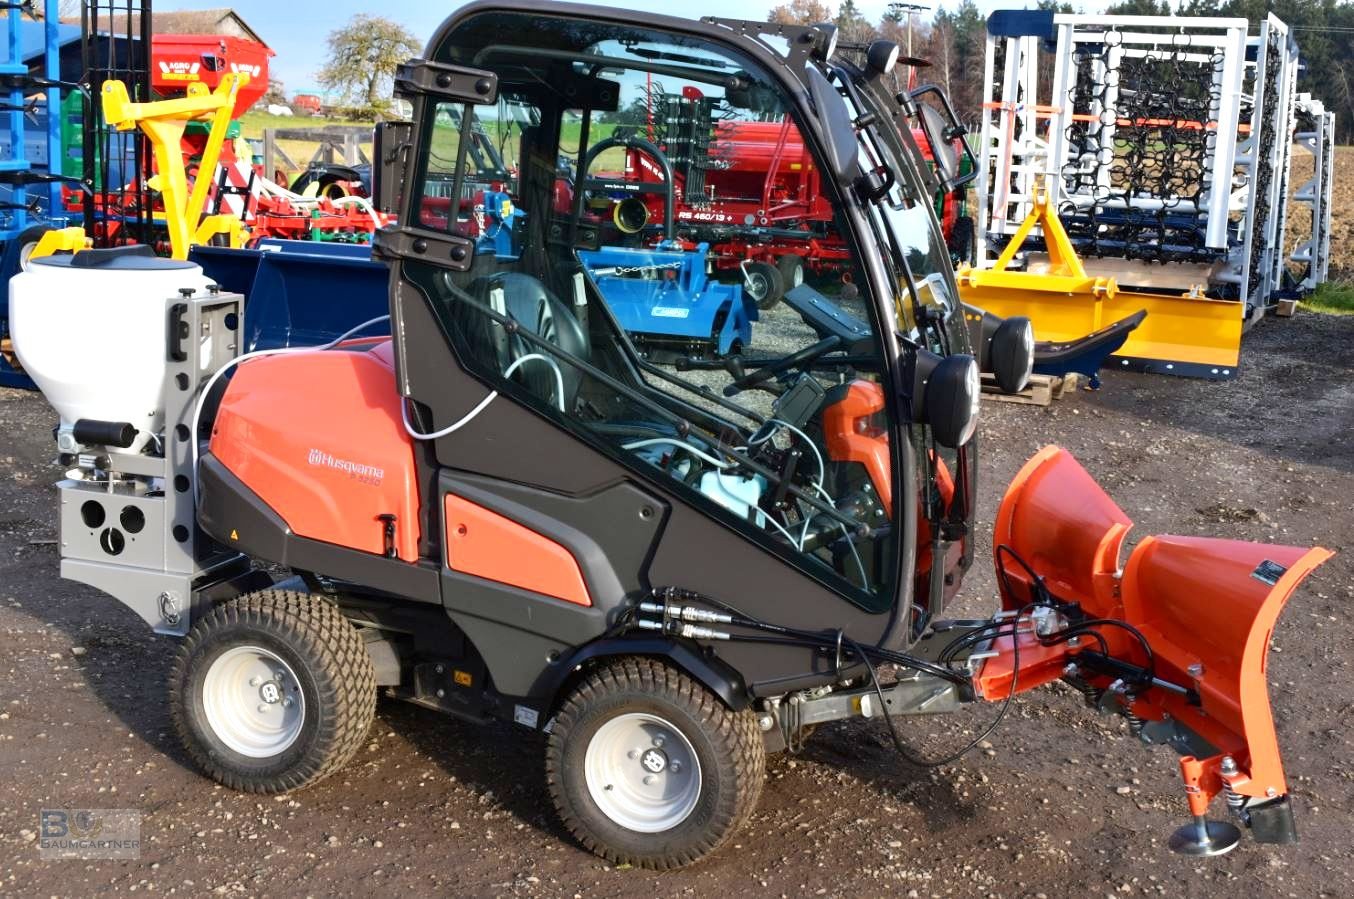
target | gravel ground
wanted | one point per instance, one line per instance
(1060, 803)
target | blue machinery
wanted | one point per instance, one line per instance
(29, 197)
(667, 302)
(299, 292)
(16, 168)
(303, 292)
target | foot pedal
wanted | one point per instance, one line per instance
(1205, 837)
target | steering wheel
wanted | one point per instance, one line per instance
(631, 142)
(794, 360)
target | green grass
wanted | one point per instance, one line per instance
(254, 122)
(1334, 297)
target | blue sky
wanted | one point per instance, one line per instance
(297, 29)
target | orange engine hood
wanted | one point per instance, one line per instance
(319, 437)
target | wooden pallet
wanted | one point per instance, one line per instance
(1040, 391)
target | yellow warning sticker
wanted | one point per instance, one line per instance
(234, 534)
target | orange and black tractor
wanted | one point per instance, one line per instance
(504, 510)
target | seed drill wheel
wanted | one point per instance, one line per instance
(272, 691)
(28, 242)
(791, 268)
(649, 768)
(764, 284)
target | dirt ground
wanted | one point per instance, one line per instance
(1060, 803)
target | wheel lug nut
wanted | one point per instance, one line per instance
(263, 707)
(649, 779)
(255, 681)
(676, 767)
(658, 741)
(287, 702)
(634, 753)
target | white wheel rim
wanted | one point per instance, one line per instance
(797, 276)
(26, 254)
(253, 701)
(642, 772)
(758, 285)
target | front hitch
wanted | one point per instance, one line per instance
(1175, 641)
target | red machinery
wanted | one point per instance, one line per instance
(750, 189)
(177, 60)
(241, 188)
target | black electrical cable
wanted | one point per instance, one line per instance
(818, 637)
(1039, 593)
(1123, 625)
(1076, 630)
(991, 631)
(920, 762)
(1043, 597)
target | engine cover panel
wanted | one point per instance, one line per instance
(318, 436)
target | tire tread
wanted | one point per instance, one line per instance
(735, 734)
(345, 680)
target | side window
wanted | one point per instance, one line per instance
(467, 179)
(660, 267)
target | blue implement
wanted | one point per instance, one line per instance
(299, 292)
(667, 301)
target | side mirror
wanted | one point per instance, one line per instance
(941, 128)
(391, 145)
(946, 391)
(943, 152)
(843, 149)
(1005, 347)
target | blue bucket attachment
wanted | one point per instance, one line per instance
(299, 292)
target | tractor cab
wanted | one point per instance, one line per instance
(803, 432)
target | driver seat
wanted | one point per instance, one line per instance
(535, 309)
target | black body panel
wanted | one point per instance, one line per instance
(610, 532)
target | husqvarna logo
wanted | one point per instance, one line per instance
(366, 474)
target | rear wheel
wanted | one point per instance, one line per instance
(649, 768)
(763, 283)
(272, 691)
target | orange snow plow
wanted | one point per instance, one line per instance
(1175, 640)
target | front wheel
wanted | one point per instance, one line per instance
(272, 691)
(649, 768)
(763, 283)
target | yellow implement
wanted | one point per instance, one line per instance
(61, 240)
(1184, 333)
(163, 122)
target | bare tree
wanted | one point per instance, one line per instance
(801, 12)
(363, 56)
